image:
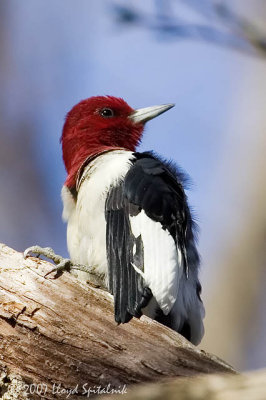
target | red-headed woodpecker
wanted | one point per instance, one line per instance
(128, 216)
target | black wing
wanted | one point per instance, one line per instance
(152, 186)
(125, 283)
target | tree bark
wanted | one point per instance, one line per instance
(61, 334)
(251, 386)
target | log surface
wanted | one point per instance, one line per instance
(61, 333)
(249, 386)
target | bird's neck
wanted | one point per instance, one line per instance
(79, 144)
(75, 164)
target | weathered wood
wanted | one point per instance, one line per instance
(250, 386)
(62, 332)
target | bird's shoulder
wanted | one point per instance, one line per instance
(151, 172)
(152, 184)
(157, 187)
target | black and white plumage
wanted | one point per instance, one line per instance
(137, 230)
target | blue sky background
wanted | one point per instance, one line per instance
(57, 53)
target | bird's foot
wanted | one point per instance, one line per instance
(62, 264)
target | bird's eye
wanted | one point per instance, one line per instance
(107, 113)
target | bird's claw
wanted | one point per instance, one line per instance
(44, 251)
(62, 264)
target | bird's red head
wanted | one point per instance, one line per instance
(100, 124)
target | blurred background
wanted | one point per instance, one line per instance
(209, 58)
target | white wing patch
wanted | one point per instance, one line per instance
(162, 260)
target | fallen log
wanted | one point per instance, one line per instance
(58, 335)
(249, 386)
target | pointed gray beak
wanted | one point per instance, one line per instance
(143, 115)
